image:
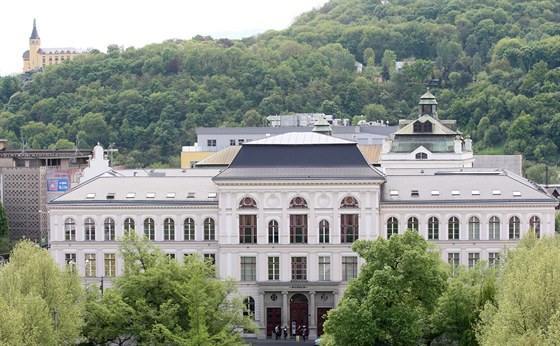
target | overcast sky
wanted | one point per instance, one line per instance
(99, 23)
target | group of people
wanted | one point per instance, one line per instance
(278, 331)
(301, 331)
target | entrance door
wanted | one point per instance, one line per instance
(321, 318)
(273, 318)
(298, 313)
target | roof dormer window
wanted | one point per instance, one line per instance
(422, 127)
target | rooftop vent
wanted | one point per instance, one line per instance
(170, 195)
(475, 192)
(190, 195)
(111, 195)
(435, 193)
(212, 195)
(130, 195)
(90, 195)
(496, 192)
(414, 193)
(393, 193)
(516, 193)
(455, 193)
(151, 195)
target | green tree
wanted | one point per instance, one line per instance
(41, 303)
(527, 306)
(391, 300)
(161, 301)
(457, 312)
(388, 62)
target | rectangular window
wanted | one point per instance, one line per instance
(70, 259)
(474, 257)
(248, 268)
(240, 141)
(248, 229)
(299, 268)
(274, 268)
(453, 259)
(90, 265)
(349, 267)
(298, 229)
(324, 268)
(493, 258)
(210, 258)
(110, 264)
(211, 142)
(349, 228)
(232, 142)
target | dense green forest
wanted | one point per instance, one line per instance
(494, 66)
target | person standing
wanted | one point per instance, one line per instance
(285, 330)
(277, 331)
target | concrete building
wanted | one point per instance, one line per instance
(29, 179)
(282, 217)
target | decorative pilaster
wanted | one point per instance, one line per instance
(262, 322)
(312, 320)
(285, 309)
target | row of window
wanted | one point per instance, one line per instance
(454, 258)
(299, 229)
(148, 227)
(474, 229)
(109, 262)
(299, 203)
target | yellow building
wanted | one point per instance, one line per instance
(36, 57)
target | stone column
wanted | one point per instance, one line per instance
(285, 309)
(312, 323)
(262, 320)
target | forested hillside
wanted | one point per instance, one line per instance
(494, 65)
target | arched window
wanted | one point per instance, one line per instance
(324, 231)
(474, 228)
(433, 228)
(69, 229)
(298, 203)
(169, 229)
(412, 224)
(421, 156)
(247, 229)
(349, 228)
(494, 228)
(209, 229)
(247, 203)
(188, 228)
(535, 224)
(89, 229)
(273, 236)
(129, 224)
(150, 228)
(249, 310)
(109, 228)
(392, 226)
(453, 228)
(349, 202)
(514, 226)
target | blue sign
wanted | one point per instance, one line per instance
(57, 185)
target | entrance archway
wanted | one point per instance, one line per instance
(298, 313)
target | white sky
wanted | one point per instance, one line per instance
(99, 23)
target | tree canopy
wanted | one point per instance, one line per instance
(41, 303)
(492, 64)
(159, 301)
(527, 306)
(391, 300)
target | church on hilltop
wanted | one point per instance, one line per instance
(36, 57)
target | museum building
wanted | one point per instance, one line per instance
(282, 217)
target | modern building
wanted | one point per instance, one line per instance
(213, 139)
(29, 178)
(281, 218)
(36, 57)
